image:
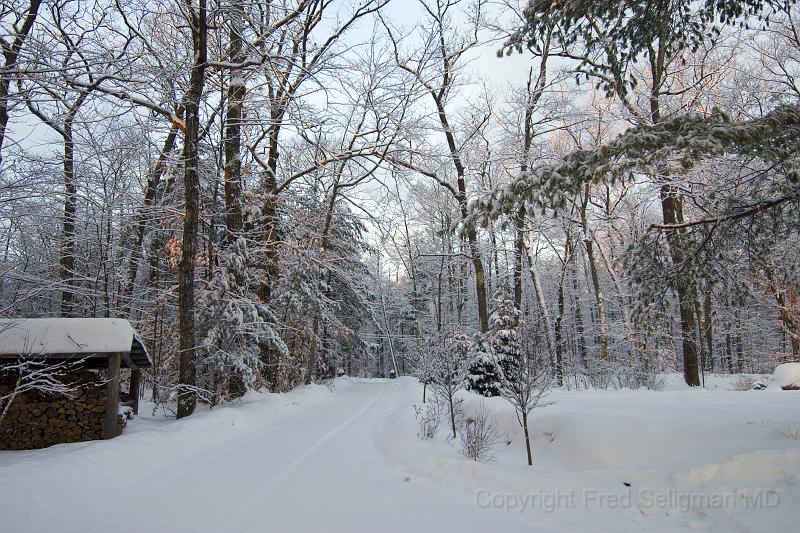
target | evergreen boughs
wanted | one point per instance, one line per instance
(483, 376)
(235, 326)
(630, 27)
(497, 351)
(684, 141)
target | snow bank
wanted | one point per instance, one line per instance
(595, 430)
(723, 382)
(625, 461)
(701, 459)
(787, 376)
(504, 414)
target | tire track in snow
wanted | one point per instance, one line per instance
(136, 490)
(249, 513)
(233, 446)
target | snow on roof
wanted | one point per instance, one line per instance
(70, 337)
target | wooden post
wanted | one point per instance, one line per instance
(112, 397)
(136, 383)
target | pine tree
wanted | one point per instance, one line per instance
(235, 325)
(483, 376)
(497, 349)
(504, 336)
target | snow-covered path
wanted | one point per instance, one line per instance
(312, 468)
(349, 460)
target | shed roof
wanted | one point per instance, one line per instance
(72, 338)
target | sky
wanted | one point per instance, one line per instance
(484, 64)
(483, 68)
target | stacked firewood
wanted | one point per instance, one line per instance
(37, 420)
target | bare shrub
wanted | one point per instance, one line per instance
(743, 383)
(746, 382)
(479, 436)
(428, 417)
(791, 433)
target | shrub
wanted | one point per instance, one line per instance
(428, 417)
(479, 436)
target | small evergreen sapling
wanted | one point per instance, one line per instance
(483, 376)
(493, 349)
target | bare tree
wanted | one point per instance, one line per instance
(525, 380)
(449, 362)
(436, 69)
(12, 47)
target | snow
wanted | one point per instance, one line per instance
(347, 458)
(676, 382)
(65, 336)
(787, 376)
(713, 460)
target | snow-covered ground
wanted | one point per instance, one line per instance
(348, 459)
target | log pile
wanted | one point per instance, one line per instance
(37, 421)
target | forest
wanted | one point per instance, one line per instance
(276, 192)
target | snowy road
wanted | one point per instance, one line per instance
(312, 467)
(349, 460)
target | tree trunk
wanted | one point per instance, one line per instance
(672, 209)
(519, 250)
(439, 296)
(68, 245)
(672, 212)
(480, 281)
(472, 234)
(311, 363)
(233, 158)
(602, 335)
(233, 125)
(269, 238)
(537, 288)
(739, 352)
(708, 329)
(135, 389)
(578, 313)
(533, 94)
(699, 311)
(452, 414)
(186, 300)
(729, 353)
(11, 56)
(559, 355)
(527, 438)
(786, 297)
(150, 194)
(112, 397)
